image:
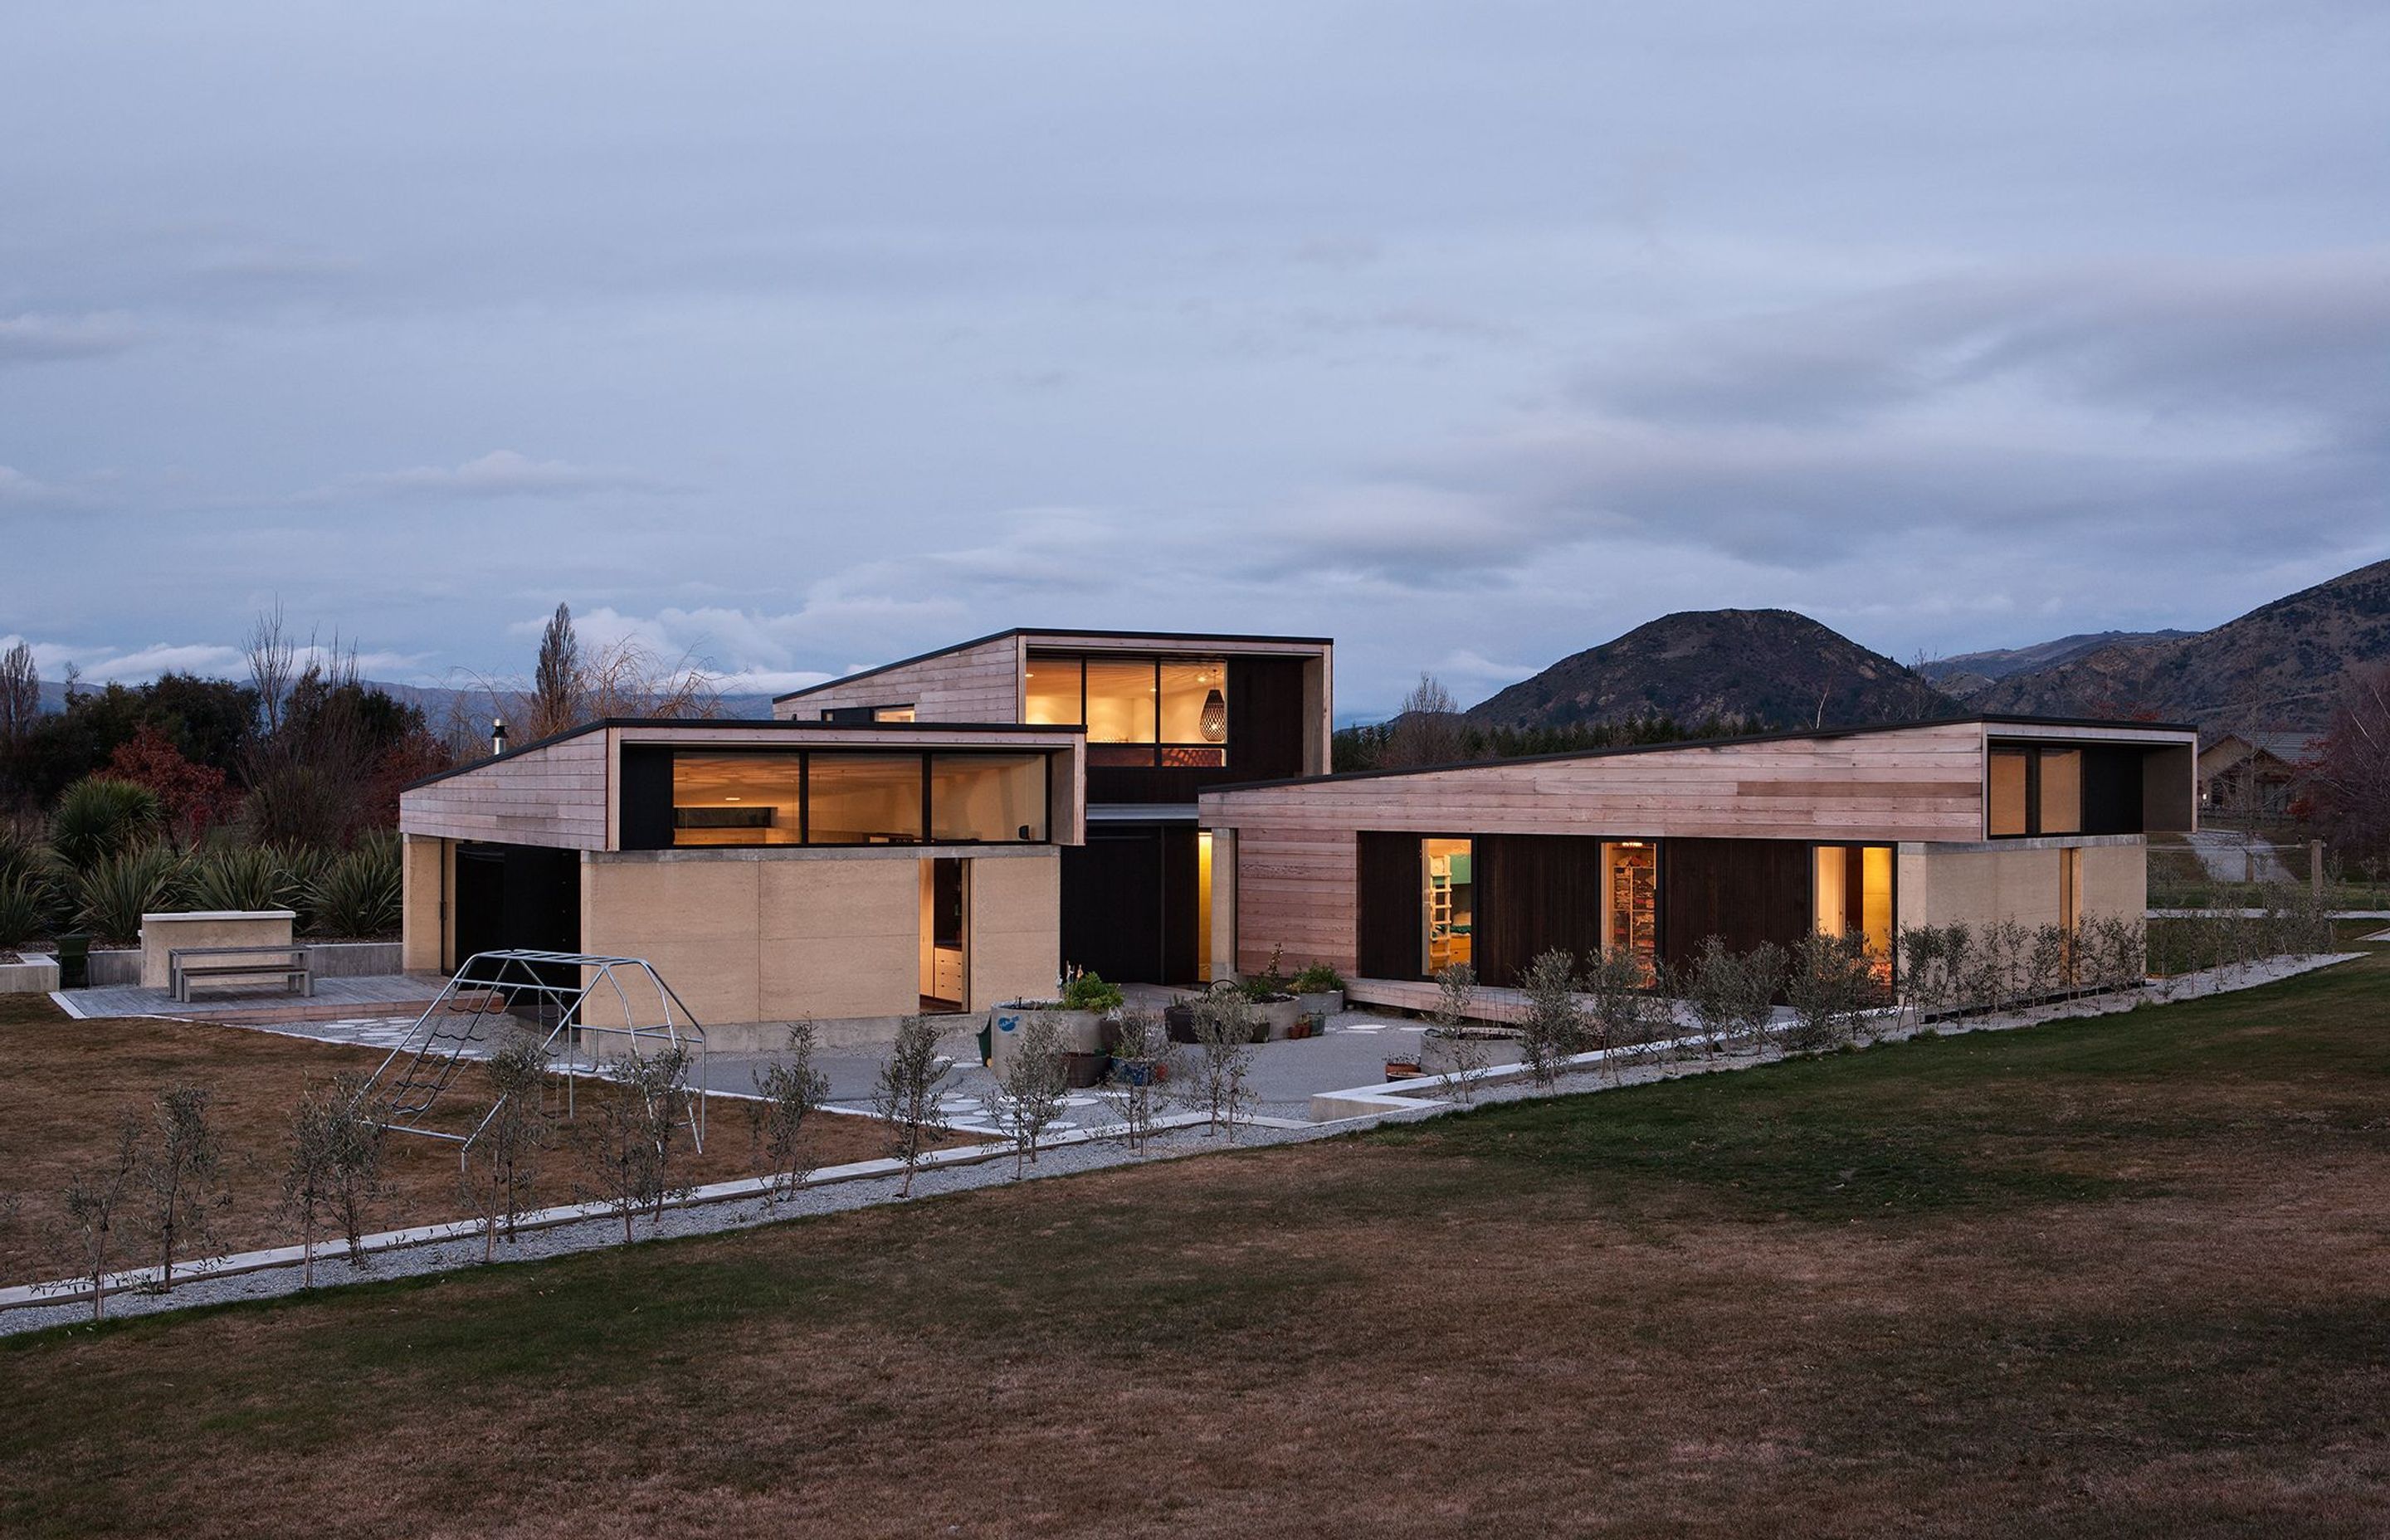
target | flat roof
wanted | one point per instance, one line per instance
(1033, 632)
(1679, 745)
(758, 723)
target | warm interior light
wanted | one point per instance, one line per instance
(1213, 723)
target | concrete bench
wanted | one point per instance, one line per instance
(186, 965)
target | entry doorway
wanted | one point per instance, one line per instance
(946, 932)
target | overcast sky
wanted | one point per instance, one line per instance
(806, 337)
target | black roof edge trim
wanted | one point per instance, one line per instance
(1051, 631)
(641, 723)
(1782, 735)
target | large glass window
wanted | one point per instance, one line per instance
(735, 798)
(864, 799)
(1119, 700)
(1053, 691)
(1139, 711)
(1195, 713)
(2008, 792)
(987, 798)
(1448, 904)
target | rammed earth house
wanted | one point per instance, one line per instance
(1390, 876)
(948, 832)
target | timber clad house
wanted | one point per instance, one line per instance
(948, 832)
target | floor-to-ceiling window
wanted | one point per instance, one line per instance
(1630, 900)
(1854, 894)
(1448, 905)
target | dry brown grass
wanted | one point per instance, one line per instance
(69, 1085)
(2121, 1279)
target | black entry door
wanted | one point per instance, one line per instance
(1129, 902)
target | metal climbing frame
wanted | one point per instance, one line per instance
(486, 1001)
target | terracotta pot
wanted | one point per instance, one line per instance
(1403, 1068)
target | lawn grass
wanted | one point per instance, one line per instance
(68, 1087)
(2120, 1277)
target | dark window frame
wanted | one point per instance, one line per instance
(805, 758)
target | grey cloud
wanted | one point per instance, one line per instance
(32, 338)
(500, 473)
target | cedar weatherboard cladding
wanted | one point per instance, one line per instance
(1534, 893)
(1743, 891)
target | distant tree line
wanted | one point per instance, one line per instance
(1430, 730)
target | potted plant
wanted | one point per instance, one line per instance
(1403, 1060)
(1081, 1070)
(1320, 989)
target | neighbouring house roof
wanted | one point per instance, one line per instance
(1035, 631)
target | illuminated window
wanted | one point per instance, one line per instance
(735, 798)
(891, 713)
(987, 798)
(1053, 691)
(1119, 700)
(1448, 904)
(864, 799)
(1195, 711)
(1630, 893)
(1854, 894)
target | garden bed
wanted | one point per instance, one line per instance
(69, 1085)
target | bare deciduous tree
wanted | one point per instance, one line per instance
(91, 1201)
(502, 1162)
(1224, 1054)
(1142, 1062)
(910, 1097)
(792, 1090)
(179, 1172)
(2351, 771)
(21, 693)
(1428, 731)
(273, 655)
(1554, 1024)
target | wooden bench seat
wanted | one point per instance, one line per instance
(285, 963)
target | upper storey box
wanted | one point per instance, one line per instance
(1167, 713)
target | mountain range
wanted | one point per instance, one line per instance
(2274, 669)
(1771, 665)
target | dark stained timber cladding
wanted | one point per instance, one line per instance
(1386, 907)
(1743, 891)
(1181, 881)
(647, 806)
(1534, 893)
(1112, 903)
(1266, 717)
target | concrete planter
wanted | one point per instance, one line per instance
(36, 975)
(1075, 1031)
(1322, 1002)
(1279, 1018)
